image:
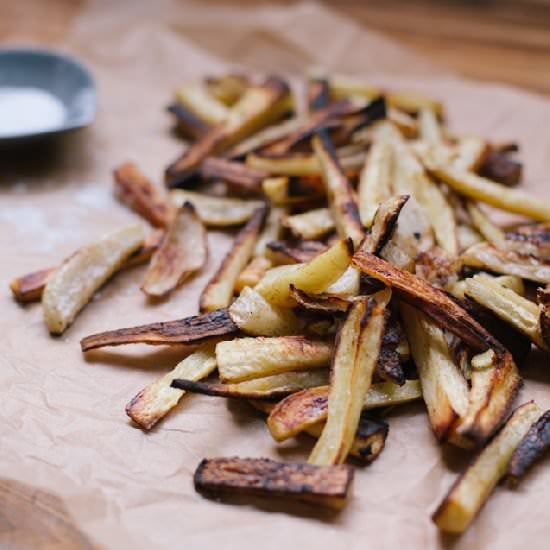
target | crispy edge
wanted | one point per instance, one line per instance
(282, 252)
(236, 174)
(29, 287)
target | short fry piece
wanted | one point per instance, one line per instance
(181, 252)
(531, 448)
(219, 290)
(72, 286)
(326, 486)
(356, 355)
(312, 224)
(216, 211)
(29, 287)
(473, 487)
(246, 358)
(135, 190)
(191, 330)
(156, 400)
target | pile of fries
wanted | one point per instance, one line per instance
(366, 275)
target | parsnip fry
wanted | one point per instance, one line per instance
(219, 290)
(471, 153)
(268, 388)
(531, 239)
(300, 410)
(473, 487)
(191, 330)
(236, 174)
(283, 191)
(255, 316)
(247, 358)
(135, 190)
(227, 88)
(315, 276)
(356, 355)
(217, 211)
(339, 191)
(252, 273)
(430, 129)
(484, 225)
(182, 251)
(72, 286)
(291, 252)
(156, 400)
(485, 190)
(486, 256)
(271, 231)
(195, 97)
(375, 183)
(29, 287)
(325, 486)
(189, 125)
(444, 389)
(312, 224)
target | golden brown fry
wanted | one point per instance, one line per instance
(485, 190)
(74, 283)
(191, 330)
(355, 357)
(217, 211)
(156, 400)
(375, 182)
(239, 176)
(444, 389)
(268, 388)
(259, 105)
(255, 316)
(315, 276)
(135, 190)
(252, 273)
(404, 122)
(291, 252)
(486, 256)
(430, 300)
(325, 486)
(312, 224)
(182, 251)
(531, 448)
(473, 487)
(300, 410)
(246, 358)
(339, 191)
(219, 290)
(29, 287)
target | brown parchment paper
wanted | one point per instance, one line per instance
(63, 427)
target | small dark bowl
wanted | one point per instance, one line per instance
(58, 74)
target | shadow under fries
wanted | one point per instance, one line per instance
(535, 367)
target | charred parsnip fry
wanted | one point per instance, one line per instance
(312, 224)
(499, 167)
(519, 312)
(356, 355)
(195, 97)
(375, 182)
(245, 358)
(255, 316)
(339, 191)
(300, 410)
(532, 447)
(217, 211)
(191, 330)
(236, 174)
(181, 252)
(74, 283)
(291, 252)
(473, 487)
(327, 304)
(543, 300)
(135, 190)
(325, 486)
(259, 105)
(188, 124)
(219, 290)
(484, 225)
(485, 190)
(29, 287)
(268, 388)
(444, 389)
(315, 276)
(486, 256)
(252, 273)
(531, 239)
(156, 400)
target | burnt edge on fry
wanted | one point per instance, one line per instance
(499, 167)
(432, 301)
(385, 222)
(531, 239)
(188, 124)
(29, 287)
(289, 252)
(191, 330)
(322, 485)
(252, 227)
(532, 447)
(543, 299)
(389, 366)
(236, 174)
(371, 434)
(221, 390)
(320, 303)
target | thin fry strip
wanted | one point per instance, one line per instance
(484, 225)
(156, 400)
(473, 487)
(191, 330)
(237, 174)
(218, 293)
(181, 252)
(300, 410)
(356, 355)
